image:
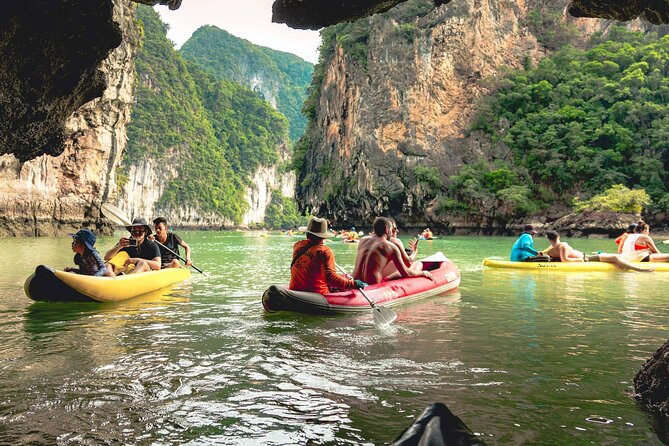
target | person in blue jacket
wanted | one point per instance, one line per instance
(523, 250)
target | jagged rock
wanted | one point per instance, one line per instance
(315, 14)
(651, 383)
(53, 195)
(593, 224)
(50, 55)
(172, 4)
(651, 11)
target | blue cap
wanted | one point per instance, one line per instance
(86, 236)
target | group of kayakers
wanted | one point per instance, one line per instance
(144, 251)
(635, 245)
(381, 256)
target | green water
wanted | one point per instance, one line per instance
(521, 357)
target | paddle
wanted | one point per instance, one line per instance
(118, 216)
(382, 315)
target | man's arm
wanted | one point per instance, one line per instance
(333, 279)
(116, 248)
(186, 248)
(396, 258)
(527, 245)
(405, 257)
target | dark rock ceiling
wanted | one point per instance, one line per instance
(50, 51)
(315, 14)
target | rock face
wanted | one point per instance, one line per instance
(146, 185)
(651, 383)
(407, 106)
(52, 195)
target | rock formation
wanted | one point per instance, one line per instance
(651, 383)
(52, 195)
(46, 73)
(406, 104)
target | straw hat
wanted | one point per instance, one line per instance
(318, 227)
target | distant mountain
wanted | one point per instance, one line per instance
(281, 78)
(194, 141)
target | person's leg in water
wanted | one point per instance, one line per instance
(619, 262)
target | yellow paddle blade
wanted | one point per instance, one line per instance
(118, 261)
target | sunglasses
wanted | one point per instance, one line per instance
(138, 231)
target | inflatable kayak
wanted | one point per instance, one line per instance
(387, 294)
(437, 425)
(54, 285)
(569, 266)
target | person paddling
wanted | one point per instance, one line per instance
(169, 241)
(313, 266)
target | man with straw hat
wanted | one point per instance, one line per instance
(313, 266)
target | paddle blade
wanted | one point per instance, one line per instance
(383, 316)
(115, 214)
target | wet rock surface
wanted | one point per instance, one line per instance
(651, 383)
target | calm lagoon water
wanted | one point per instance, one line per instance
(521, 357)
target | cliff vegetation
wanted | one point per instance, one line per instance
(576, 124)
(280, 78)
(211, 133)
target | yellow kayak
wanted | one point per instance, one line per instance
(569, 266)
(54, 285)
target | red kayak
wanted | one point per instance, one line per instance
(386, 294)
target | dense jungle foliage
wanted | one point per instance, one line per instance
(579, 122)
(213, 132)
(227, 57)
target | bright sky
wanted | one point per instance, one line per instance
(248, 19)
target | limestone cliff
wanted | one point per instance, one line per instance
(54, 195)
(407, 102)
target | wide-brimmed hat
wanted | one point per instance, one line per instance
(529, 229)
(318, 227)
(86, 236)
(140, 222)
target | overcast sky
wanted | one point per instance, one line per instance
(249, 19)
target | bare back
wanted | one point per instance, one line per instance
(374, 253)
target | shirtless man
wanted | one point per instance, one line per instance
(376, 251)
(562, 250)
(566, 253)
(390, 272)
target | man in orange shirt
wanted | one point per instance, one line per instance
(313, 267)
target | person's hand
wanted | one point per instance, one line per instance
(130, 261)
(359, 284)
(413, 245)
(188, 262)
(151, 237)
(124, 242)
(428, 275)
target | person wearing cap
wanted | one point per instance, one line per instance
(143, 253)
(169, 244)
(313, 266)
(523, 249)
(87, 258)
(377, 251)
